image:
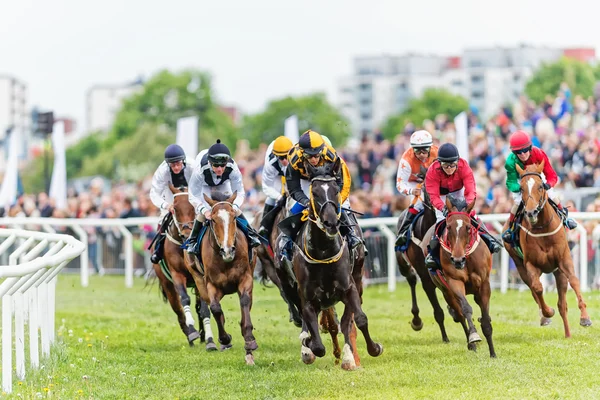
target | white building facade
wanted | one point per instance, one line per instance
(14, 114)
(104, 101)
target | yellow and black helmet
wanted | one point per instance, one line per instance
(311, 142)
(282, 146)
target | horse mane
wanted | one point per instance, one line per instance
(459, 202)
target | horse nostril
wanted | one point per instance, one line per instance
(233, 249)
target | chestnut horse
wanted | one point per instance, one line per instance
(323, 269)
(412, 263)
(225, 268)
(466, 264)
(545, 249)
(175, 278)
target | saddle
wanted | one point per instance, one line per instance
(409, 232)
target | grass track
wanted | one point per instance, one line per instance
(118, 343)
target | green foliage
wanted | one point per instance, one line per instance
(135, 349)
(313, 111)
(580, 77)
(432, 103)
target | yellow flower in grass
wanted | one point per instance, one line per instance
(46, 390)
(80, 391)
(20, 383)
(89, 345)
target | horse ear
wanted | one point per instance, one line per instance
(335, 168)
(449, 204)
(210, 201)
(519, 169)
(540, 167)
(470, 206)
(172, 188)
(232, 197)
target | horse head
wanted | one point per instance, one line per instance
(459, 229)
(324, 208)
(183, 211)
(533, 193)
(223, 225)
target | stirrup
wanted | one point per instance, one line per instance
(430, 262)
(507, 236)
(570, 223)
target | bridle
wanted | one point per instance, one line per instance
(212, 223)
(315, 218)
(544, 199)
(179, 226)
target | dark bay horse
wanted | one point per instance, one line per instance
(544, 246)
(225, 268)
(174, 277)
(466, 264)
(412, 263)
(271, 268)
(323, 269)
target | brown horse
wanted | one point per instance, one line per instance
(412, 263)
(545, 249)
(175, 278)
(225, 269)
(323, 269)
(466, 264)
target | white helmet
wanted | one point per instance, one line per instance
(421, 138)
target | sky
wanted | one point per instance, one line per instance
(257, 50)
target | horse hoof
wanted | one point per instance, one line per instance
(585, 322)
(349, 366)
(378, 350)
(193, 337)
(210, 345)
(307, 355)
(474, 338)
(249, 359)
(550, 314)
(416, 327)
(545, 321)
(225, 341)
(297, 324)
(226, 346)
(251, 345)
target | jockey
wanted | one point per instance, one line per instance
(523, 154)
(176, 169)
(450, 174)
(216, 172)
(422, 153)
(312, 148)
(273, 180)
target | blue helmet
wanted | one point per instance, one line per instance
(174, 153)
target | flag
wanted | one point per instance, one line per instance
(58, 184)
(8, 191)
(291, 128)
(187, 135)
(462, 139)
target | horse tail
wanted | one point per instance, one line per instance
(263, 277)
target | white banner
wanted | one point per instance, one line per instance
(462, 135)
(187, 135)
(8, 192)
(291, 128)
(58, 184)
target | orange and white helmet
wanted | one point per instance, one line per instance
(421, 138)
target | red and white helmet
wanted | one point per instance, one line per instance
(421, 138)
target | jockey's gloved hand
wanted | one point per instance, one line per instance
(547, 186)
(445, 211)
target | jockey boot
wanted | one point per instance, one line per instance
(434, 248)
(251, 234)
(507, 235)
(568, 222)
(193, 245)
(347, 229)
(287, 247)
(491, 242)
(409, 217)
(157, 255)
(266, 224)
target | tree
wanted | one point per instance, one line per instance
(313, 111)
(431, 103)
(579, 75)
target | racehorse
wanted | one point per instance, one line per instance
(322, 266)
(412, 262)
(174, 277)
(543, 243)
(465, 269)
(225, 268)
(272, 269)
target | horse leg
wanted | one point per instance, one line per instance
(313, 342)
(352, 302)
(409, 273)
(455, 297)
(329, 321)
(483, 300)
(215, 296)
(567, 266)
(175, 302)
(204, 317)
(179, 283)
(562, 284)
(438, 312)
(245, 294)
(531, 277)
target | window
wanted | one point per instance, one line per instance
(365, 116)
(476, 94)
(476, 78)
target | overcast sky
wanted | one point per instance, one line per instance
(257, 50)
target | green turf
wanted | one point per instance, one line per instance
(118, 343)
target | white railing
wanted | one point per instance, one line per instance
(386, 226)
(28, 292)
